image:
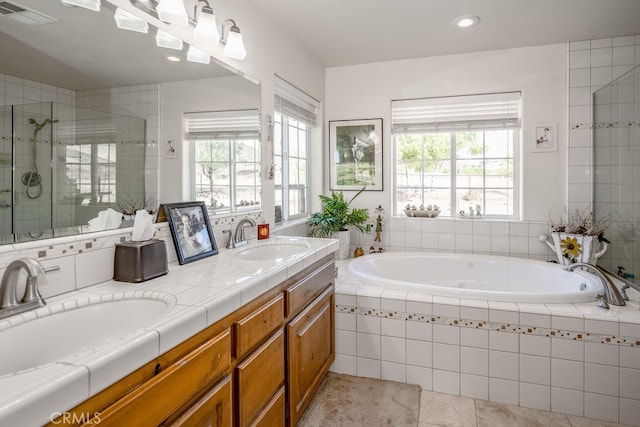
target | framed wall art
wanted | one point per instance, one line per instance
(191, 230)
(355, 154)
(546, 137)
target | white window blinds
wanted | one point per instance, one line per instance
(235, 124)
(457, 113)
(294, 103)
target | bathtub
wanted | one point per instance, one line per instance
(471, 276)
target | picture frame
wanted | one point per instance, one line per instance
(546, 137)
(171, 148)
(191, 230)
(355, 154)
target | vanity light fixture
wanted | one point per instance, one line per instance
(234, 47)
(173, 12)
(164, 39)
(206, 27)
(128, 21)
(173, 58)
(196, 55)
(87, 4)
(466, 21)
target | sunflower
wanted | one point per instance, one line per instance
(570, 247)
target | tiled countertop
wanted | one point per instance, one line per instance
(198, 293)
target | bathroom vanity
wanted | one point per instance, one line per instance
(257, 365)
(240, 368)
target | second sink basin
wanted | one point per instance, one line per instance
(62, 334)
(272, 252)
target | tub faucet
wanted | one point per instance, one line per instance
(239, 237)
(9, 304)
(611, 293)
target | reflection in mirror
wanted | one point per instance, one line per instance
(88, 104)
(68, 164)
(226, 146)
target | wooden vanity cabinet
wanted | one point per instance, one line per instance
(258, 366)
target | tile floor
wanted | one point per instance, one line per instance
(437, 409)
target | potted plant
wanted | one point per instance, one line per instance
(334, 219)
(578, 237)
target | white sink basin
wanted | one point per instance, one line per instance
(272, 252)
(56, 337)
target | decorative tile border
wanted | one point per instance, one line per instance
(494, 326)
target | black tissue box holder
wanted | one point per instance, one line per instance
(140, 261)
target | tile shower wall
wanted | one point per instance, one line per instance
(17, 91)
(574, 359)
(591, 65)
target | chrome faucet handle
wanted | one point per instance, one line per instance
(230, 243)
(602, 301)
(623, 292)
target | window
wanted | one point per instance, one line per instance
(226, 158)
(458, 153)
(91, 172)
(294, 117)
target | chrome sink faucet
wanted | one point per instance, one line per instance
(239, 237)
(9, 304)
(611, 293)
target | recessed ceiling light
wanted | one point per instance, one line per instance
(466, 21)
(173, 58)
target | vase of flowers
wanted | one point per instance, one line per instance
(578, 237)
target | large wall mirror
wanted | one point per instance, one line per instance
(88, 116)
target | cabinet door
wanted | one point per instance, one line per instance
(212, 410)
(274, 414)
(259, 378)
(311, 350)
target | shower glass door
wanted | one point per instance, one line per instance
(616, 143)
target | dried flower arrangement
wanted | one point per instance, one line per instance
(129, 205)
(582, 222)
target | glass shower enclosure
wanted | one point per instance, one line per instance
(60, 165)
(616, 145)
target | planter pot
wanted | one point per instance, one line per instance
(571, 248)
(344, 240)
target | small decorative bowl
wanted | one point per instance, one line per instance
(409, 212)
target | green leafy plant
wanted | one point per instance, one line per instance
(336, 215)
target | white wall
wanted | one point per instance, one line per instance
(365, 91)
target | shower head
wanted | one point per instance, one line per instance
(32, 122)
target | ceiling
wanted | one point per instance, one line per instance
(85, 50)
(348, 32)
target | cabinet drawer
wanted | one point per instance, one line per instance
(158, 398)
(253, 329)
(303, 292)
(213, 409)
(274, 414)
(259, 377)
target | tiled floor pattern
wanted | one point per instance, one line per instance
(437, 409)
